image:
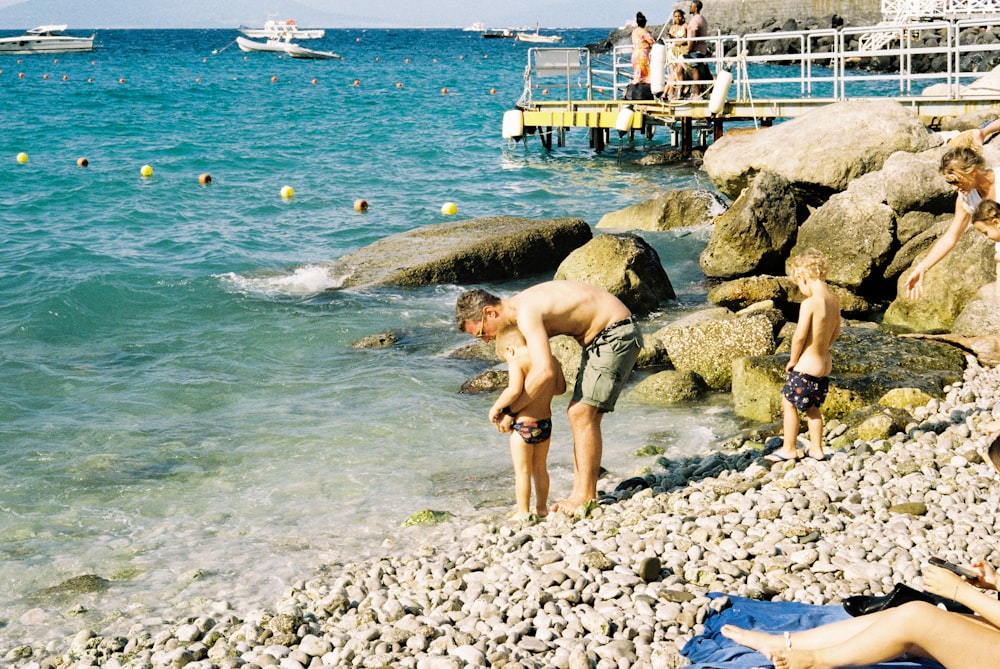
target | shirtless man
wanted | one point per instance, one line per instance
(810, 364)
(611, 340)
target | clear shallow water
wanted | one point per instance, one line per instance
(181, 410)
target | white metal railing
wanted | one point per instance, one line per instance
(826, 66)
(912, 10)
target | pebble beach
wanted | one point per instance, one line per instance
(626, 586)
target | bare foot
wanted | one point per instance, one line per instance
(797, 659)
(765, 644)
(568, 506)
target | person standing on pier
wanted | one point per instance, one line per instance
(642, 45)
(697, 30)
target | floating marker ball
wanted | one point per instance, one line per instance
(274, 79)
(145, 171)
(449, 209)
(314, 81)
(205, 178)
(444, 91)
(65, 77)
(122, 80)
(287, 192)
(82, 162)
(45, 76)
(493, 91)
(361, 205)
(22, 157)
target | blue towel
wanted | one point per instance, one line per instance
(711, 650)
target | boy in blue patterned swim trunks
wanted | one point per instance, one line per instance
(530, 427)
(809, 364)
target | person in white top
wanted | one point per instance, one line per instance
(964, 168)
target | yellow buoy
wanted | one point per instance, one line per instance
(82, 162)
(361, 204)
(205, 178)
(22, 157)
(287, 192)
(449, 209)
(145, 171)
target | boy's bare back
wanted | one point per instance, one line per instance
(817, 330)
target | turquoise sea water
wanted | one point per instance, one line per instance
(181, 410)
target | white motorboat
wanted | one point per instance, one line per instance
(287, 29)
(45, 39)
(284, 46)
(538, 38)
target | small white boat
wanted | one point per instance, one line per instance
(499, 33)
(296, 51)
(287, 29)
(476, 27)
(284, 46)
(249, 46)
(538, 38)
(45, 39)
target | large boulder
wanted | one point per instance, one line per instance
(473, 251)
(709, 347)
(821, 151)
(625, 266)
(867, 363)
(673, 209)
(948, 287)
(668, 388)
(753, 236)
(981, 316)
(855, 230)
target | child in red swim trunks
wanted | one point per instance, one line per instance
(530, 428)
(809, 364)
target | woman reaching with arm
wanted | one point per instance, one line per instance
(965, 171)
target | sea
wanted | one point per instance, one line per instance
(182, 412)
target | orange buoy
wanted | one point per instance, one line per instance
(493, 91)
(45, 76)
(90, 80)
(444, 91)
(545, 91)
(314, 81)
(407, 61)
(65, 77)
(360, 205)
(55, 60)
(122, 80)
(357, 83)
(20, 75)
(82, 162)
(399, 84)
(205, 178)
(274, 79)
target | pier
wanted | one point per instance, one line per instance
(567, 88)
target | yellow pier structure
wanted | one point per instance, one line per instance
(756, 90)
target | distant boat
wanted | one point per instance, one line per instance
(501, 33)
(274, 29)
(476, 27)
(538, 38)
(45, 39)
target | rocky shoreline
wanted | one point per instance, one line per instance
(627, 585)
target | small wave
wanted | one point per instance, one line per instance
(302, 282)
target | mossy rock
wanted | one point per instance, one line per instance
(428, 517)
